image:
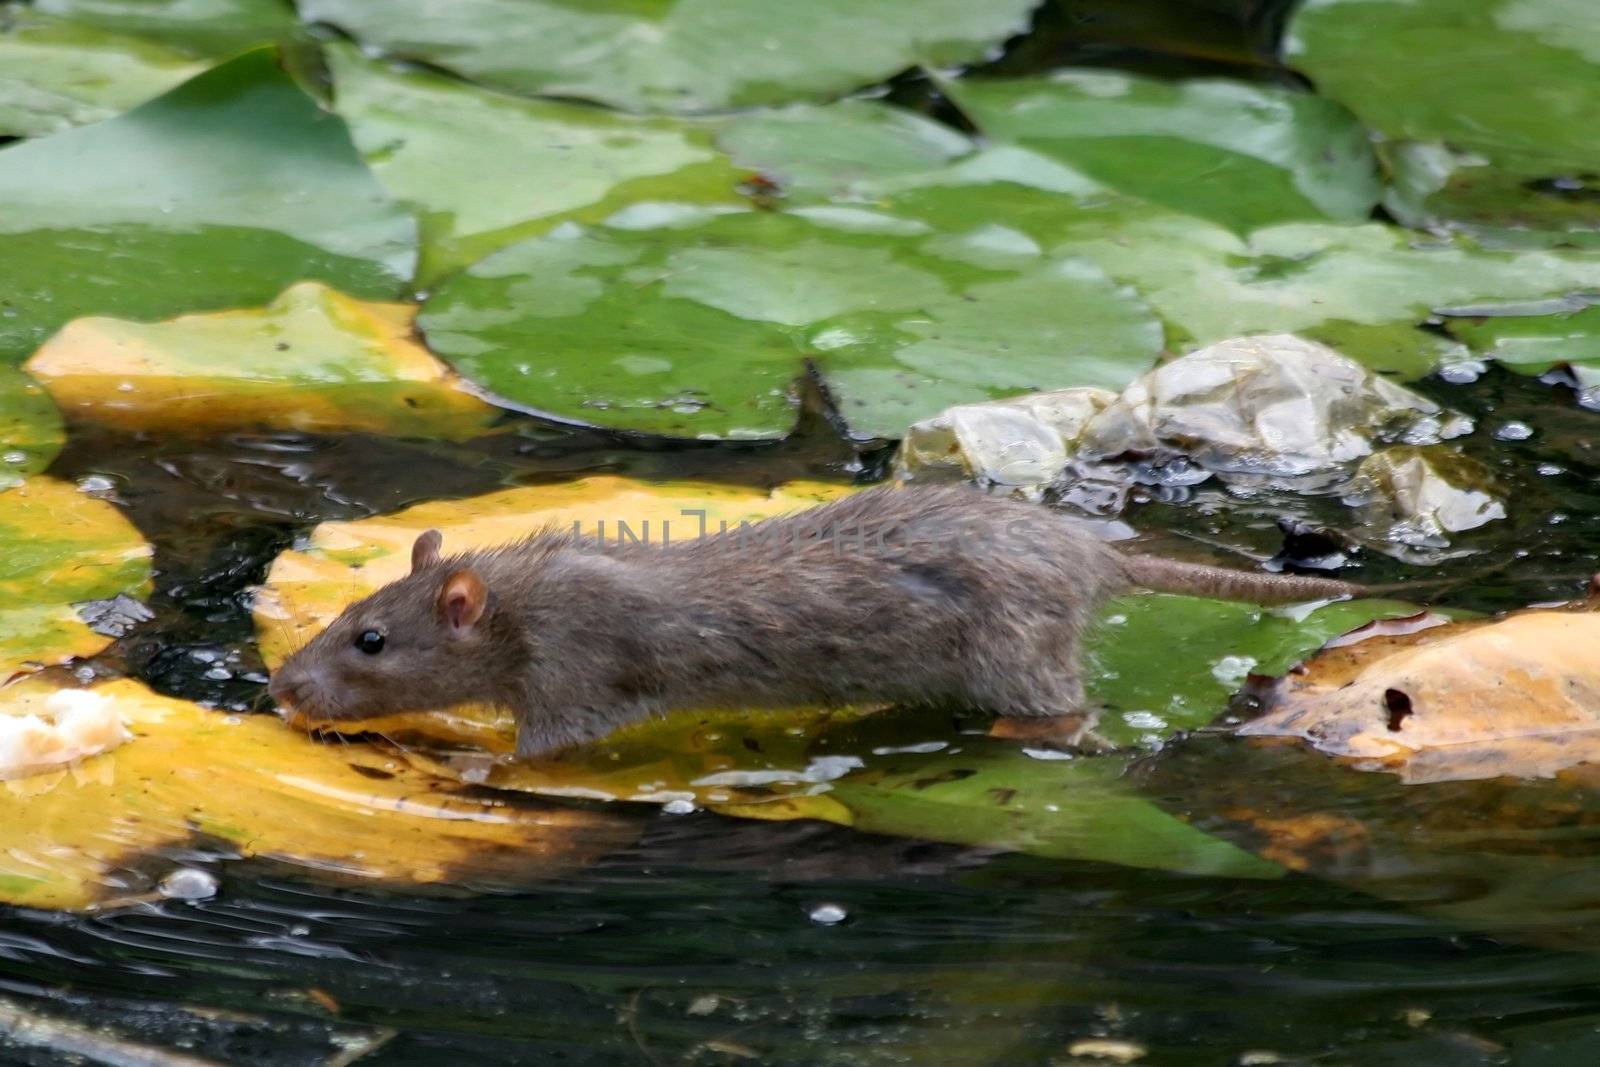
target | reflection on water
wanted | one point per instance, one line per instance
(1457, 929)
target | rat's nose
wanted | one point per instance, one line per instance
(284, 688)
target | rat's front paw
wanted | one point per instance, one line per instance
(1072, 732)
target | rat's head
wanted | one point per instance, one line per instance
(419, 643)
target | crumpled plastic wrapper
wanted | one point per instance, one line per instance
(1275, 410)
(66, 726)
(1417, 497)
(1277, 405)
(1021, 443)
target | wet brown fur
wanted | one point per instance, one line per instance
(913, 596)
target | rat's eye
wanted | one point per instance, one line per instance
(370, 642)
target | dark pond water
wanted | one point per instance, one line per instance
(701, 943)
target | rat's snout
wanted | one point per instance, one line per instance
(293, 688)
(284, 688)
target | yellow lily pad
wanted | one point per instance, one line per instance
(313, 360)
(702, 758)
(1433, 700)
(70, 838)
(60, 547)
(30, 428)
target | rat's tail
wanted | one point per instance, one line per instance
(1197, 579)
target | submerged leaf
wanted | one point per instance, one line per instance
(1081, 809)
(77, 837)
(55, 74)
(58, 548)
(680, 55)
(219, 194)
(314, 361)
(483, 170)
(1242, 155)
(698, 328)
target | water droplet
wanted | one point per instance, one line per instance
(188, 883)
(15, 457)
(300, 930)
(1549, 470)
(1046, 753)
(678, 807)
(1513, 431)
(218, 674)
(96, 483)
(921, 748)
(828, 914)
(1463, 372)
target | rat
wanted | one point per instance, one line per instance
(908, 595)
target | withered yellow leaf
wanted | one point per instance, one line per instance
(60, 547)
(351, 812)
(312, 360)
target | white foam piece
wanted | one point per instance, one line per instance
(74, 724)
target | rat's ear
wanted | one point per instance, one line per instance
(425, 552)
(462, 599)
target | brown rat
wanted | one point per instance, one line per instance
(912, 596)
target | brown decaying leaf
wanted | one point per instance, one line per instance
(1433, 700)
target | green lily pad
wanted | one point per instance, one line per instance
(1213, 645)
(699, 329)
(55, 74)
(850, 149)
(221, 193)
(483, 170)
(200, 27)
(1435, 73)
(1241, 155)
(684, 55)
(1461, 72)
(1362, 289)
(1503, 203)
(60, 547)
(30, 428)
(1535, 344)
